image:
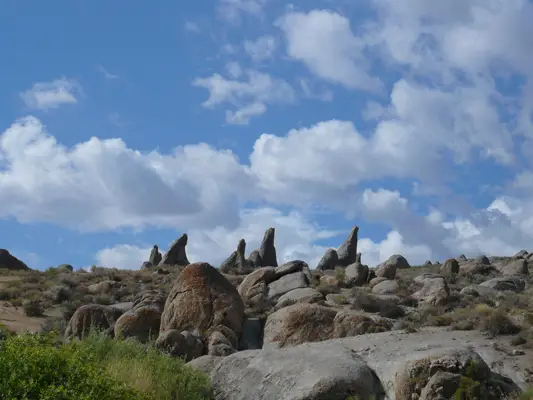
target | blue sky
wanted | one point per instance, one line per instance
(124, 124)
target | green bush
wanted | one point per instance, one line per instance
(40, 367)
(32, 367)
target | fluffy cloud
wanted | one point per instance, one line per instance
(124, 256)
(457, 104)
(325, 43)
(249, 97)
(48, 95)
(102, 184)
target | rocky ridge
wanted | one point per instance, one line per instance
(265, 330)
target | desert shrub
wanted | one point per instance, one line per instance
(32, 367)
(104, 299)
(32, 308)
(156, 375)
(40, 367)
(494, 321)
(328, 289)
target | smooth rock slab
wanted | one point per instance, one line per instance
(513, 283)
(298, 373)
(301, 295)
(287, 283)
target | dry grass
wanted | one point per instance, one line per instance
(40, 291)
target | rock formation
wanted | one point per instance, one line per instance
(237, 263)
(155, 256)
(347, 253)
(203, 299)
(9, 261)
(267, 251)
(255, 260)
(176, 254)
(329, 260)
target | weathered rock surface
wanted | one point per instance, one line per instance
(141, 323)
(298, 324)
(143, 320)
(329, 260)
(351, 323)
(155, 256)
(91, 316)
(285, 284)
(236, 262)
(176, 254)
(434, 289)
(9, 261)
(480, 266)
(180, 344)
(347, 252)
(517, 266)
(384, 305)
(302, 373)
(301, 295)
(202, 298)
(336, 369)
(267, 251)
(356, 274)
(450, 266)
(513, 283)
(254, 288)
(205, 363)
(255, 259)
(386, 287)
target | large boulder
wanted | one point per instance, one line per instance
(434, 289)
(450, 267)
(347, 252)
(267, 251)
(298, 323)
(89, 317)
(384, 305)
(285, 284)
(479, 266)
(329, 260)
(254, 288)
(404, 363)
(262, 288)
(176, 254)
(301, 295)
(416, 374)
(388, 268)
(386, 287)
(11, 262)
(142, 321)
(356, 274)
(399, 261)
(202, 298)
(180, 344)
(297, 373)
(512, 283)
(350, 323)
(517, 266)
